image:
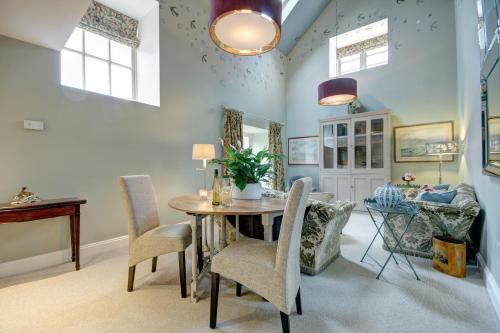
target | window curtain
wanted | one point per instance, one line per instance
(111, 24)
(276, 147)
(233, 128)
(365, 45)
(233, 136)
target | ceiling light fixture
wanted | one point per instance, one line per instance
(338, 91)
(246, 27)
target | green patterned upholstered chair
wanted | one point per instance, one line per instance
(435, 219)
(323, 224)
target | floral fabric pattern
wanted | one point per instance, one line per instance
(320, 241)
(435, 219)
(276, 147)
(111, 24)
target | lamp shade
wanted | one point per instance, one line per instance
(442, 148)
(246, 27)
(338, 91)
(203, 152)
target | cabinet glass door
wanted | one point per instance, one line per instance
(377, 143)
(342, 145)
(360, 151)
(328, 146)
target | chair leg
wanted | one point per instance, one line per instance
(199, 246)
(131, 275)
(153, 265)
(285, 322)
(298, 303)
(182, 273)
(238, 289)
(214, 300)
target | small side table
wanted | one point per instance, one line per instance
(408, 209)
(46, 209)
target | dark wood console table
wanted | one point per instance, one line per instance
(48, 209)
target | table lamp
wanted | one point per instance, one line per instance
(441, 149)
(203, 152)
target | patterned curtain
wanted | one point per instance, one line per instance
(276, 147)
(111, 24)
(233, 128)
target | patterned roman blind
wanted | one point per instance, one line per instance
(111, 24)
(365, 45)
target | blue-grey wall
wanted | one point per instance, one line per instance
(418, 85)
(93, 139)
(487, 187)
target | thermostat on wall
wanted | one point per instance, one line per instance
(34, 125)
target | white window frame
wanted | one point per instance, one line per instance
(336, 62)
(109, 62)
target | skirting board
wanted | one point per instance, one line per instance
(491, 284)
(59, 257)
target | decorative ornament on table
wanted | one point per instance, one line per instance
(388, 196)
(354, 107)
(408, 178)
(25, 197)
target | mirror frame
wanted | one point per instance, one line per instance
(490, 64)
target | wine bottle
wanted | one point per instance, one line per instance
(216, 189)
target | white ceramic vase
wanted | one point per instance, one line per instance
(251, 192)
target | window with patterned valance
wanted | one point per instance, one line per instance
(110, 23)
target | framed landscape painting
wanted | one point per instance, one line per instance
(410, 141)
(303, 151)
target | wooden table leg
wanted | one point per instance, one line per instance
(267, 222)
(72, 234)
(77, 237)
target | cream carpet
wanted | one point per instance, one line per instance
(344, 298)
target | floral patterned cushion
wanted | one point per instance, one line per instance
(435, 219)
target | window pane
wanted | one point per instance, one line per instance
(350, 64)
(121, 82)
(121, 54)
(71, 69)
(96, 75)
(377, 57)
(96, 45)
(75, 41)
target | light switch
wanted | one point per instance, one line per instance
(34, 125)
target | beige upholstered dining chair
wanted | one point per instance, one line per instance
(272, 270)
(147, 238)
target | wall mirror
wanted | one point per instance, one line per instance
(490, 90)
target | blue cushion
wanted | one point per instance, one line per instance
(441, 197)
(441, 187)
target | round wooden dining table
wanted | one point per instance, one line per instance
(199, 208)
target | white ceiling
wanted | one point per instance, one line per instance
(133, 8)
(47, 23)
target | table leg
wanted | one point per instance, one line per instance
(223, 231)
(206, 248)
(237, 227)
(212, 240)
(72, 235)
(77, 237)
(195, 224)
(375, 237)
(267, 222)
(398, 244)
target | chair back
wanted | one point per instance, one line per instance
(288, 254)
(140, 204)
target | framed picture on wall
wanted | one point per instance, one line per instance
(303, 150)
(410, 141)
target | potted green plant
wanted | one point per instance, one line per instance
(247, 170)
